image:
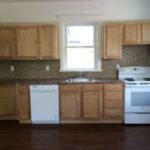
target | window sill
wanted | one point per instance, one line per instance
(80, 70)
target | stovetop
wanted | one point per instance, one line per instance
(136, 80)
(139, 75)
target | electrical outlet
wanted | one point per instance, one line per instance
(12, 68)
(47, 68)
(117, 66)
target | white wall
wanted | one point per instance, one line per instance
(48, 11)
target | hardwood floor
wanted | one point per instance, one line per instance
(14, 136)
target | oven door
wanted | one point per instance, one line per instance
(137, 99)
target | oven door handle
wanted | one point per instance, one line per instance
(137, 112)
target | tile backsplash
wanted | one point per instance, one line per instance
(133, 55)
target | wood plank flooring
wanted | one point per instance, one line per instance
(14, 136)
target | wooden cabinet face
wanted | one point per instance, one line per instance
(146, 33)
(8, 106)
(7, 43)
(23, 103)
(131, 33)
(70, 105)
(113, 95)
(91, 102)
(113, 101)
(28, 42)
(27, 46)
(81, 101)
(113, 113)
(92, 105)
(112, 41)
(47, 41)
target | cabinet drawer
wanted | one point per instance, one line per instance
(69, 87)
(113, 113)
(113, 87)
(113, 104)
(92, 87)
(113, 95)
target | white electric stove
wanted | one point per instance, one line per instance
(137, 94)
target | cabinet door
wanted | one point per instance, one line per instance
(146, 33)
(131, 33)
(23, 103)
(47, 41)
(92, 106)
(112, 41)
(70, 105)
(8, 106)
(7, 42)
(27, 46)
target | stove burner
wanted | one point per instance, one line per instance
(129, 79)
(147, 79)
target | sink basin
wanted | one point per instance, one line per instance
(80, 79)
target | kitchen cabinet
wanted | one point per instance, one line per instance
(47, 41)
(23, 103)
(131, 33)
(113, 101)
(7, 43)
(112, 48)
(8, 105)
(92, 102)
(137, 33)
(81, 103)
(146, 33)
(70, 101)
(27, 42)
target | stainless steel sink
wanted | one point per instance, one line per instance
(80, 79)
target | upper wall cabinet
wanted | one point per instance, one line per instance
(131, 33)
(137, 33)
(146, 33)
(7, 43)
(112, 41)
(27, 44)
(47, 41)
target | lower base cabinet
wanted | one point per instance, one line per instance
(79, 103)
(91, 103)
(70, 96)
(23, 103)
(8, 105)
(70, 99)
(113, 101)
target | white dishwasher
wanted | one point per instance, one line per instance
(44, 101)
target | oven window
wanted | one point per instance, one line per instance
(140, 99)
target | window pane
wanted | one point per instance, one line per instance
(80, 58)
(80, 36)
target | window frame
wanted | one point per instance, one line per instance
(63, 47)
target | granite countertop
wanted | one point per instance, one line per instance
(57, 81)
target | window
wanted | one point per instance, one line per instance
(80, 48)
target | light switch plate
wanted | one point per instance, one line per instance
(117, 66)
(12, 68)
(47, 68)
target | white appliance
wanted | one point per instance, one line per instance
(44, 100)
(137, 94)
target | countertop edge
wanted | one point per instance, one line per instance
(56, 81)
